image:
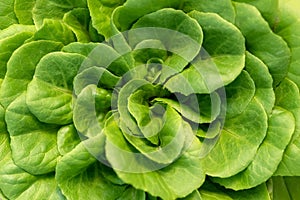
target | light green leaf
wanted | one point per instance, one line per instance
(164, 18)
(2, 197)
(10, 39)
(124, 16)
(223, 8)
(262, 42)
(44, 188)
(110, 60)
(67, 139)
(199, 109)
(150, 51)
(186, 170)
(288, 27)
(132, 193)
(81, 48)
(54, 9)
(210, 131)
(16, 183)
(193, 196)
(175, 36)
(268, 8)
(238, 142)
(172, 136)
(263, 81)
(241, 90)
(287, 97)
(95, 76)
(260, 192)
(210, 191)
(79, 175)
(101, 11)
(281, 126)
(209, 195)
(21, 67)
(4, 141)
(127, 122)
(23, 11)
(164, 127)
(49, 94)
(54, 30)
(90, 108)
(16, 29)
(7, 14)
(218, 63)
(39, 153)
(149, 121)
(78, 21)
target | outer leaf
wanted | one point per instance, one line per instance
(10, 39)
(268, 8)
(79, 175)
(132, 193)
(54, 30)
(210, 191)
(285, 188)
(78, 20)
(263, 81)
(101, 11)
(17, 183)
(288, 28)
(220, 7)
(81, 48)
(23, 11)
(208, 195)
(16, 29)
(287, 97)
(2, 197)
(124, 16)
(38, 154)
(24, 59)
(238, 142)
(241, 90)
(164, 18)
(49, 94)
(262, 42)
(54, 9)
(259, 192)
(7, 15)
(193, 196)
(280, 129)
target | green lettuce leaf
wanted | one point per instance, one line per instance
(7, 14)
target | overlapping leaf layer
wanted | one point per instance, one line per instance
(149, 99)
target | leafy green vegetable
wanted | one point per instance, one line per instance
(7, 14)
(149, 99)
(285, 187)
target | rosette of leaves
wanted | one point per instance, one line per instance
(148, 99)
